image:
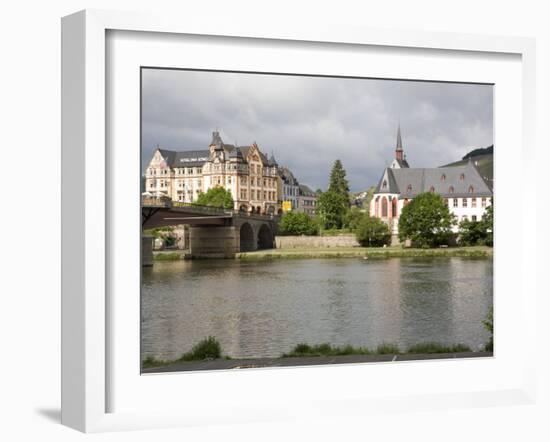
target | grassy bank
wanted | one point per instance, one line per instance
(368, 252)
(168, 255)
(305, 350)
(210, 349)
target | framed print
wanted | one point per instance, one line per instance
(241, 221)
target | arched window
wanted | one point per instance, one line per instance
(461, 177)
(471, 189)
(384, 184)
(443, 177)
(451, 189)
(409, 188)
(394, 207)
(384, 207)
(432, 189)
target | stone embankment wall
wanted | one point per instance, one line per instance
(296, 242)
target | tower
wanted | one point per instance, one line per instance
(399, 145)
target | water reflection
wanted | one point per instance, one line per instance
(262, 309)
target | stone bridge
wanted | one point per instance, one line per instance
(213, 232)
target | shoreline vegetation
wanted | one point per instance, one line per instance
(344, 252)
(209, 349)
(367, 252)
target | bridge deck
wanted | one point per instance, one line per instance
(162, 213)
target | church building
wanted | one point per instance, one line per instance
(462, 187)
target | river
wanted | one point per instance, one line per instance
(265, 308)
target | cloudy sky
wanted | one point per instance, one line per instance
(309, 122)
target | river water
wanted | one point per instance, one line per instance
(265, 308)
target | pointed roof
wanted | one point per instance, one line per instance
(216, 140)
(399, 144)
(410, 182)
(272, 160)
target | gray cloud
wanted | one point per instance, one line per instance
(309, 122)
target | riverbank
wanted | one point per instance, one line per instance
(168, 255)
(366, 252)
(235, 364)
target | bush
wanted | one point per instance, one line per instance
(372, 232)
(434, 347)
(353, 218)
(426, 221)
(488, 324)
(472, 233)
(208, 348)
(306, 350)
(387, 349)
(297, 223)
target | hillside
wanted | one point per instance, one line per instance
(483, 159)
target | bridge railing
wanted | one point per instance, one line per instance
(200, 209)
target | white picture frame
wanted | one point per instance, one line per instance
(86, 315)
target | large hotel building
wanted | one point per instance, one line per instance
(250, 176)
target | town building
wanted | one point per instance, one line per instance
(462, 187)
(250, 176)
(307, 200)
(290, 188)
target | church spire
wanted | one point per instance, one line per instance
(399, 145)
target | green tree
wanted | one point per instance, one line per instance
(372, 232)
(487, 222)
(298, 223)
(472, 233)
(488, 324)
(331, 208)
(215, 197)
(338, 182)
(426, 221)
(352, 218)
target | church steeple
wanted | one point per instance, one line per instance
(399, 145)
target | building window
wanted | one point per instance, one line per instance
(461, 177)
(464, 218)
(409, 188)
(483, 202)
(471, 189)
(464, 202)
(443, 177)
(474, 217)
(384, 207)
(451, 189)
(455, 202)
(432, 189)
(384, 184)
(474, 202)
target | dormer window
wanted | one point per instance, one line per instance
(384, 184)
(471, 189)
(451, 189)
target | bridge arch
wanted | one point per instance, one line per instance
(246, 238)
(265, 237)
